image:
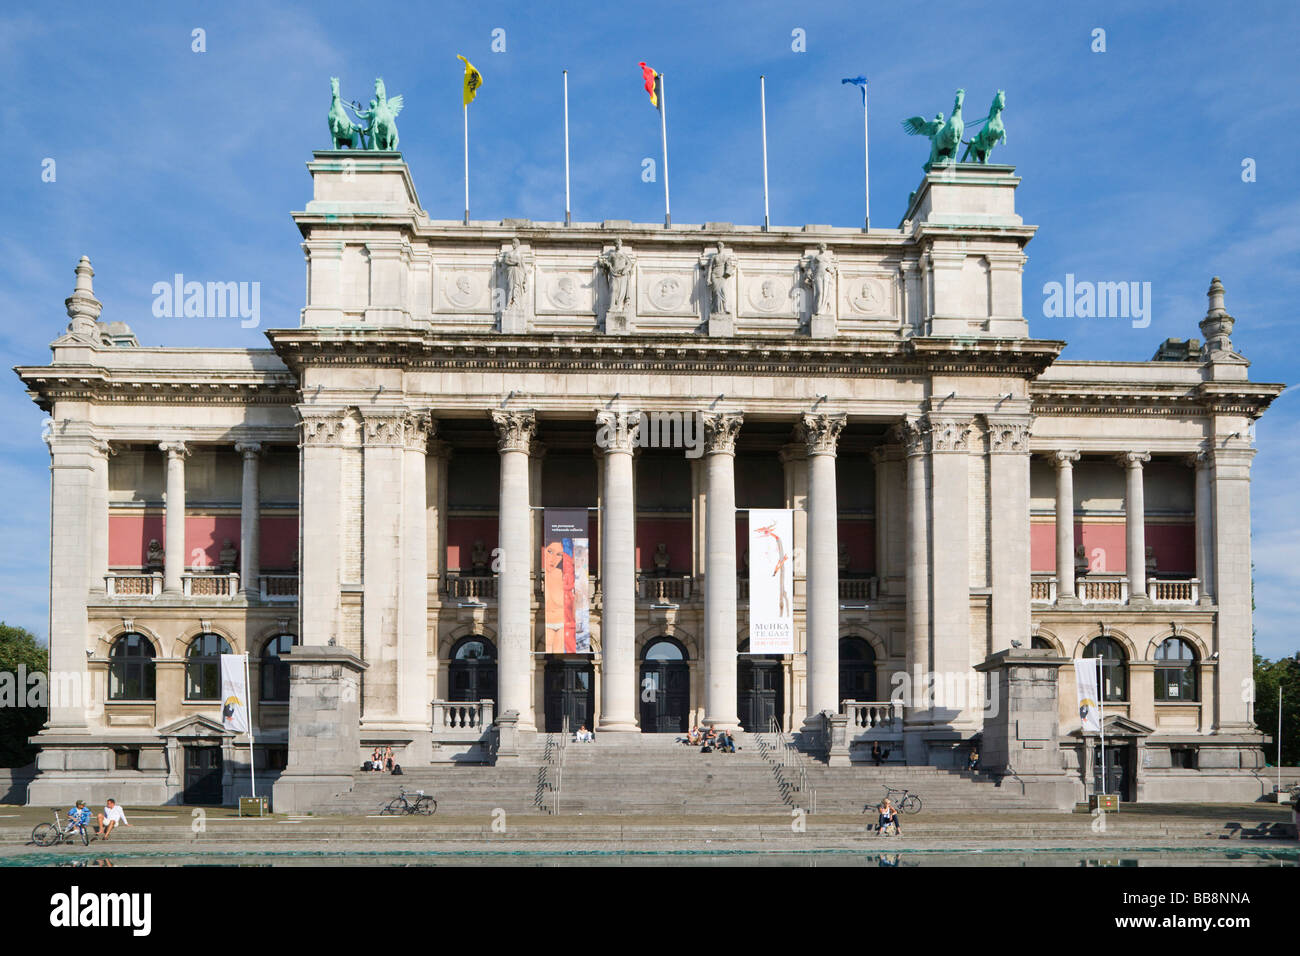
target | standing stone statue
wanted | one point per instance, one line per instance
(719, 267)
(617, 265)
(819, 272)
(515, 266)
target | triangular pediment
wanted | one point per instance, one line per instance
(195, 725)
(1117, 725)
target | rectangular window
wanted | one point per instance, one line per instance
(277, 758)
(126, 758)
(1182, 758)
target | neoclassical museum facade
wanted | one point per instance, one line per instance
(374, 481)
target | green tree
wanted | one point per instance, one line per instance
(17, 723)
(1269, 676)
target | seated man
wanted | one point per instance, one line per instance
(111, 817)
(584, 736)
(973, 762)
(726, 742)
(888, 818)
(79, 816)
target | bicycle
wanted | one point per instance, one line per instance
(60, 831)
(907, 803)
(423, 804)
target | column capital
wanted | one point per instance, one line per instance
(911, 435)
(102, 447)
(383, 426)
(1133, 459)
(617, 430)
(249, 449)
(174, 449)
(417, 429)
(821, 432)
(321, 426)
(720, 432)
(795, 451)
(1201, 458)
(515, 429)
(1064, 458)
(1009, 436)
(949, 434)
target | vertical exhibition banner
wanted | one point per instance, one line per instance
(565, 581)
(1085, 678)
(234, 693)
(771, 581)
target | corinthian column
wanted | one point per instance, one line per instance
(515, 432)
(617, 435)
(174, 531)
(413, 692)
(1065, 587)
(822, 433)
(1135, 525)
(720, 431)
(913, 438)
(250, 519)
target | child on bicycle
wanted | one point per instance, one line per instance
(79, 817)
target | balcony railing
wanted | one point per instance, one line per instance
(1113, 589)
(467, 719)
(469, 587)
(143, 584)
(209, 585)
(279, 587)
(875, 718)
(859, 589)
(669, 589)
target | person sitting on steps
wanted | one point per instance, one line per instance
(888, 818)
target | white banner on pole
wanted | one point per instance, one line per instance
(1085, 679)
(771, 581)
(234, 693)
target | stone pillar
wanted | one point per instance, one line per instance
(1135, 555)
(515, 432)
(1020, 732)
(720, 431)
(324, 728)
(98, 543)
(1232, 582)
(250, 519)
(822, 433)
(438, 457)
(382, 518)
(1065, 585)
(1008, 502)
(950, 448)
(72, 465)
(413, 692)
(915, 713)
(1202, 463)
(322, 444)
(617, 435)
(174, 530)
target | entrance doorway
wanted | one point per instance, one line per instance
(665, 687)
(1118, 766)
(568, 693)
(857, 669)
(202, 775)
(472, 674)
(760, 691)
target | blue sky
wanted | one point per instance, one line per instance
(168, 160)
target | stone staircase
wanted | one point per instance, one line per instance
(648, 774)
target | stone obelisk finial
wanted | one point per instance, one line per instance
(1217, 325)
(83, 307)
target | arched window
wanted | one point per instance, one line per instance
(664, 649)
(131, 669)
(203, 667)
(1042, 644)
(1176, 671)
(275, 670)
(1114, 667)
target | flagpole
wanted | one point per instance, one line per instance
(248, 711)
(465, 110)
(762, 99)
(663, 129)
(1101, 720)
(866, 162)
(566, 147)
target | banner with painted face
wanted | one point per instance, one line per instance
(234, 693)
(565, 585)
(1085, 679)
(771, 581)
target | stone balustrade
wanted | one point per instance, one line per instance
(670, 589)
(1114, 589)
(144, 584)
(279, 587)
(468, 719)
(469, 587)
(873, 719)
(198, 584)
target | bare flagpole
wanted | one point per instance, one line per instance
(566, 147)
(663, 129)
(866, 162)
(762, 100)
(248, 716)
(465, 110)
(1101, 720)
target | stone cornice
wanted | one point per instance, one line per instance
(47, 384)
(419, 349)
(1152, 398)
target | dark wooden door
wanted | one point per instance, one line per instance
(203, 775)
(569, 691)
(1118, 776)
(760, 692)
(473, 680)
(665, 696)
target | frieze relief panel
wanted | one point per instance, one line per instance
(668, 287)
(868, 295)
(464, 287)
(770, 292)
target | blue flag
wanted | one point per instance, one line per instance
(858, 81)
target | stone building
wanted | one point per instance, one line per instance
(372, 482)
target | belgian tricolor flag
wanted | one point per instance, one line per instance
(652, 86)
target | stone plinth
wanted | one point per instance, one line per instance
(324, 728)
(1021, 725)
